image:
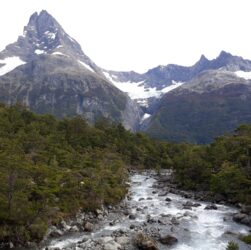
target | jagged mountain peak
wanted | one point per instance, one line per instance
(224, 54)
(42, 19)
(44, 35)
(202, 59)
(42, 24)
(201, 64)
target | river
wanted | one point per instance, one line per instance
(195, 228)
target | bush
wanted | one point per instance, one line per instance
(246, 239)
(232, 246)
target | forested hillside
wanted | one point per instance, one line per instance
(50, 169)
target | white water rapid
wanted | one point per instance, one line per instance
(195, 229)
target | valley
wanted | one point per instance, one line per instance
(97, 159)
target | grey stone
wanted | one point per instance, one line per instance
(88, 227)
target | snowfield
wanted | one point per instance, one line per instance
(137, 90)
(10, 63)
(243, 74)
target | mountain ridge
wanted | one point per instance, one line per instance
(156, 80)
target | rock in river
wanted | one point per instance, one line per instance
(145, 242)
(168, 240)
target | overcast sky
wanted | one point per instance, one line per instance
(141, 34)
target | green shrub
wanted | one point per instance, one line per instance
(232, 246)
(246, 239)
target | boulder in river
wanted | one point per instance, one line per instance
(163, 194)
(242, 218)
(63, 226)
(168, 199)
(55, 232)
(188, 205)
(88, 226)
(108, 243)
(164, 221)
(211, 207)
(123, 240)
(246, 210)
(168, 240)
(112, 246)
(74, 229)
(145, 242)
(132, 217)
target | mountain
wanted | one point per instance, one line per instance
(146, 88)
(193, 104)
(47, 70)
(211, 104)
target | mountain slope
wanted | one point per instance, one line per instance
(149, 87)
(192, 104)
(47, 70)
(209, 105)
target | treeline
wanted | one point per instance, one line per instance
(51, 168)
(223, 167)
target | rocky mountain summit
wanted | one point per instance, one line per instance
(47, 70)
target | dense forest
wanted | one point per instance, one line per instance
(222, 167)
(50, 169)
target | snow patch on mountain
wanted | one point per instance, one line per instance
(171, 87)
(243, 74)
(50, 35)
(58, 53)
(137, 90)
(10, 63)
(86, 66)
(145, 116)
(39, 51)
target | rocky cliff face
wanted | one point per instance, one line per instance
(47, 70)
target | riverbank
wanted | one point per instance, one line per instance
(151, 215)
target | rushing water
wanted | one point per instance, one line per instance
(198, 229)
